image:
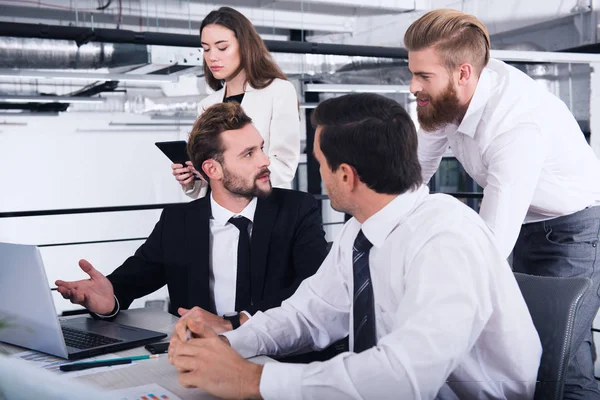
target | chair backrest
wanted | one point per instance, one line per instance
(329, 244)
(553, 304)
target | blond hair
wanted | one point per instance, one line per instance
(458, 38)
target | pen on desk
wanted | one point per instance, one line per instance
(92, 364)
(78, 366)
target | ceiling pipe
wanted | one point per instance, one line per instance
(101, 35)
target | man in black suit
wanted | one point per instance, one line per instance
(244, 248)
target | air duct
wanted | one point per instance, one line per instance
(23, 53)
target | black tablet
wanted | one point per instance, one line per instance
(175, 150)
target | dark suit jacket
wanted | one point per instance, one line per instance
(287, 245)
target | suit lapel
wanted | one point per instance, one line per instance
(197, 253)
(252, 104)
(264, 220)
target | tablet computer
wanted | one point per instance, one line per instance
(175, 150)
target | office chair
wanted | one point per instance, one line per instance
(553, 304)
(329, 244)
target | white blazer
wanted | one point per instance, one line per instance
(274, 113)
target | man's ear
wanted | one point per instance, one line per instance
(348, 175)
(465, 71)
(212, 169)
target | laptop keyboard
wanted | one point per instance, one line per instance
(85, 340)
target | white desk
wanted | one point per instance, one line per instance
(144, 371)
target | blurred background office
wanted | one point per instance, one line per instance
(87, 87)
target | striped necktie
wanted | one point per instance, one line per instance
(364, 310)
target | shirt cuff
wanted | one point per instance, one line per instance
(190, 189)
(244, 341)
(281, 381)
(247, 314)
(114, 312)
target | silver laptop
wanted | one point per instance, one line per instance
(26, 306)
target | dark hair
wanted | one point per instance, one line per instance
(205, 142)
(373, 134)
(255, 59)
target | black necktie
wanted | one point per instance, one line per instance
(243, 294)
(364, 309)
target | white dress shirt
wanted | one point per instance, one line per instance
(524, 147)
(274, 112)
(450, 317)
(223, 244)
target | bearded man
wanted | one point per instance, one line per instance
(540, 178)
(245, 248)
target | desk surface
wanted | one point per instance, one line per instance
(147, 371)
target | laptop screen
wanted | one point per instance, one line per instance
(26, 303)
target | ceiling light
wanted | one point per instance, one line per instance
(341, 88)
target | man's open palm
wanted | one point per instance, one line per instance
(96, 293)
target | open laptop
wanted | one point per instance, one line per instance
(26, 305)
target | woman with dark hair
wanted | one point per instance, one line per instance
(238, 66)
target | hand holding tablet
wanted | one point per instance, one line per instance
(176, 151)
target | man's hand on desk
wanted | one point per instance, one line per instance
(96, 293)
(207, 362)
(217, 323)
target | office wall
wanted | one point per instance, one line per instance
(77, 160)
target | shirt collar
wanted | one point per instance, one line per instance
(477, 105)
(379, 226)
(222, 215)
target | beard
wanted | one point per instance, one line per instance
(236, 185)
(335, 199)
(441, 110)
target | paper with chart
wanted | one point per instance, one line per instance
(52, 363)
(144, 392)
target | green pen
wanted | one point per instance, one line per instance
(104, 363)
